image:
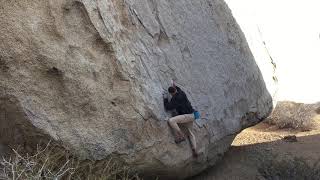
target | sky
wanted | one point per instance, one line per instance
(291, 29)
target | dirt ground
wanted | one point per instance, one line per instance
(255, 145)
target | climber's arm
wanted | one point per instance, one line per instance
(169, 105)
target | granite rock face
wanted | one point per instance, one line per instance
(90, 73)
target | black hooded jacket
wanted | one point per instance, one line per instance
(179, 102)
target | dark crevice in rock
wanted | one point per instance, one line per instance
(16, 128)
(142, 24)
(3, 65)
(55, 71)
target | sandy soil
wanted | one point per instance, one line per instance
(257, 144)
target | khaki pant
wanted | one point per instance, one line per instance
(186, 119)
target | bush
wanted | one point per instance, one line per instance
(51, 162)
(294, 115)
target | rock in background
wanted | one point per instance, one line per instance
(90, 74)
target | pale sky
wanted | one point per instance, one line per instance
(291, 29)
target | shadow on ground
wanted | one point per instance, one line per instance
(277, 159)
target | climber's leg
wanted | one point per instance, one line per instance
(192, 142)
(181, 119)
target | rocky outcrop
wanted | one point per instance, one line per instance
(90, 74)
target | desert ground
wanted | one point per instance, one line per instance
(267, 152)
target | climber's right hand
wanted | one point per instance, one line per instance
(173, 83)
(165, 95)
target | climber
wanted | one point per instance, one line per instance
(186, 114)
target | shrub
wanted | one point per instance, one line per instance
(289, 169)
(294, 115)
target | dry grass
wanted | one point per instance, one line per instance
(51, 162)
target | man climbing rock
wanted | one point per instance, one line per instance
(182, 105)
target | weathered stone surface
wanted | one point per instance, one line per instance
(90, 75)
(243, 11)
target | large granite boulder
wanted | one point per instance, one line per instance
(90, 73)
